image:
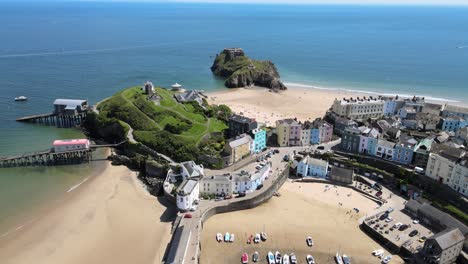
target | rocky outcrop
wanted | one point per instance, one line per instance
(242, 71)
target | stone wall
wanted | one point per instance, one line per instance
(248, 203)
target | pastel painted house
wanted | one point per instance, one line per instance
(453, 123)
(385, 149)
(71, 145)
(321, 132)
(404, 150)
(238, 148)
(259, 140)
(310, 167)
(248, 182)
(368, 141)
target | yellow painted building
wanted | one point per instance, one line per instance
(283, 131)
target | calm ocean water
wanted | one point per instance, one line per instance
(91, 50)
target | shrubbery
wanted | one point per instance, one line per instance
(109, 129)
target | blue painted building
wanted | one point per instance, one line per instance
(371, 145)
(404, 150)
(315, 136)
(453, 123)
(259, 140)
(310, 167)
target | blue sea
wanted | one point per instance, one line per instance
(91, 50)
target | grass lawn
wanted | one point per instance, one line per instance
(132, 107)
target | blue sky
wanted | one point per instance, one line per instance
(372, 2)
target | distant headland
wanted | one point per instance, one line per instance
(241, 71)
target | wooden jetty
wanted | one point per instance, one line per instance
(46, 158)
(67, 113)
(50, 158)
(51, 119)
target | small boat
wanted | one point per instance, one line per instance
(378, 252)
(387, 259)
(255, 256)
(338, 258)
(227, 237)
(249, 240)
(278, 257)
(245, 258)
(232, 238)
(285, 259)
(263, 236)
(293, 258)
(309, 241)
(346, 259)
(21, 98)
(271, 258)
(219, 237)
(257, 238)
(310, 259)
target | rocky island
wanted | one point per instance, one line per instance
(241, 71)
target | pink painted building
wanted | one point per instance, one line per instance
(295, 133)
(71, 145)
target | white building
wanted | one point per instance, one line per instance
(218, 185)
(384, 149)
(190, 169)
(247, 182)
(445, 167)
(70, 145)
(359, 108)
(459, 178)
(312, 167)
(187, 193)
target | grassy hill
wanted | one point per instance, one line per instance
(169, 127)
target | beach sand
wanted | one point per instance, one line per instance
(303, 209)
(109, 219)
(267, 107)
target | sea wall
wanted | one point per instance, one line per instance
(250, 202)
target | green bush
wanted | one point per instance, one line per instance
(109, 129)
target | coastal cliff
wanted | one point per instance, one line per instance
(241, 71)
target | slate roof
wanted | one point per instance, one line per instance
(448, 238)
(240, 141)
(187, 187)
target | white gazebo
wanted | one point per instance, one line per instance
(177, 87)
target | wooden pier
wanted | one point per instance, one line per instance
(51, 119)
(50, 158)
(46, 158)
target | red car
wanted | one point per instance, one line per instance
(188, 216)
(245, 258)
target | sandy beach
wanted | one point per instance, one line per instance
(300, 102)
(109, 219)
(303, 209)
(267, 107)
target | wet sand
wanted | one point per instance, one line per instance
(288, 220)
(109, 219)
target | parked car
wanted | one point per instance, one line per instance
(397, 225)
(413, 233)
(389, 219)
(241, 194)
(415, 221)
(276, 151)
(321, 147)
(422, 239)
(219, 199)
(286, 158)
(188, 216)
(387, 259)
(384, 216)
(390, 209)
(403, 227)
(227, 197)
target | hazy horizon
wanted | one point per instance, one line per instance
(295, 2)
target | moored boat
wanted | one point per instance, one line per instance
(278, 257)
(245, 258)
(338, 258)
(227, 237)
(285, 259)
(271, 258)
(21, 98)
(219, 237)
(263, 236)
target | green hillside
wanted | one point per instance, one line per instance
(167, 126)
